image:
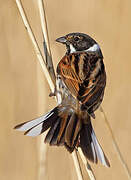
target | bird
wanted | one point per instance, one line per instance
(79, 90)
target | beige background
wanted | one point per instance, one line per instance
(24, 91)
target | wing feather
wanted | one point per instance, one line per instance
(85, 83)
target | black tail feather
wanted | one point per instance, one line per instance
(90, 145)
(85, 142)
(54, 140)
(51, 132)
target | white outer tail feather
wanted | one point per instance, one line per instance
(98, 149)
(35, 125)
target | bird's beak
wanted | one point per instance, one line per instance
(61, 40)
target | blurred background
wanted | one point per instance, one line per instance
(24, 89)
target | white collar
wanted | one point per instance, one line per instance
(94, 48)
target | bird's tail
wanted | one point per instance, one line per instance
(90, 145)
(63, 124)
(66, 128)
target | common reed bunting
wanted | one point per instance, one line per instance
(80, 85)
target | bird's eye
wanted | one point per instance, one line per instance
(76, 38)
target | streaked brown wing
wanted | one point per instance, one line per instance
(86, 87)
(68, 74)
(91, 96)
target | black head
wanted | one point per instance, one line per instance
(78, 42)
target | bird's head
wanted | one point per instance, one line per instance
(79, 42)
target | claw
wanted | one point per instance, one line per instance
(52, 94)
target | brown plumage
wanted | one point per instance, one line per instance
(80, 85)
